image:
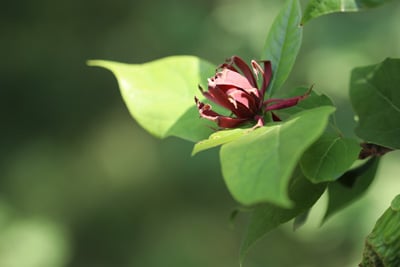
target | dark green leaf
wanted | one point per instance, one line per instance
(316, 8)
(328, 158)
(160, 94)
(257, 166)
(283, 43)
(375, 96)
(350, 186)
(267, 217)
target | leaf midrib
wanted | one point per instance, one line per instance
(324, 156)
(381, 95)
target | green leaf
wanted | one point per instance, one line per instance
(219, 138)
(267, 217)
(257, 166)
(283, 43)
(375, 97)
(382, 247)
(316, 8)
(350, 186)
(160, 94)
(328, 158)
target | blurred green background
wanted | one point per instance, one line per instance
(81, 184)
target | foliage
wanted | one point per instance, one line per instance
(281, 168)
(350, 186)
(316, 8)
(160, 94)
(376, 99)
(283, 43)
(257, 167)
(266, 217)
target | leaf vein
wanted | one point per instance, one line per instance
(325, 155)
(385, 98)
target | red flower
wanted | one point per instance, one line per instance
(235, 88)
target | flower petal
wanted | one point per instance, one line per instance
(247, 101)
(205, 110)
(283, 103)
(222, 121)
(245, 69)
(218, 96)
(266, 73)
(228, 122)
(232, 78)
(266, 76)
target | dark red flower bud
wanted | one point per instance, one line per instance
(235, 88)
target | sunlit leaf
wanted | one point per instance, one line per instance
(257, 166)
(375, 97)
(329, 157)
(350, 186)
(283, 43)
(160, 94)
(219, 138)
(267, 217)
(316, 8)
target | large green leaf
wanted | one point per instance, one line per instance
(283, 43)
(350, 186)
(160, 94)
(316, 8)
(266, 217)
(328, 158)
(375, 96)
(257, 166)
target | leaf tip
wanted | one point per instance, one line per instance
(101, 63)
(93, 62)
(194, 152)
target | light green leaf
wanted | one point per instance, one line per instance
(350, 186)
(257, 166)
(328, 158)
(283, 43)
(316, 8)
(267, 217)
(160, 94)
(219, 138)
(375, 97)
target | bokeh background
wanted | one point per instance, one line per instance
(81, 184)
